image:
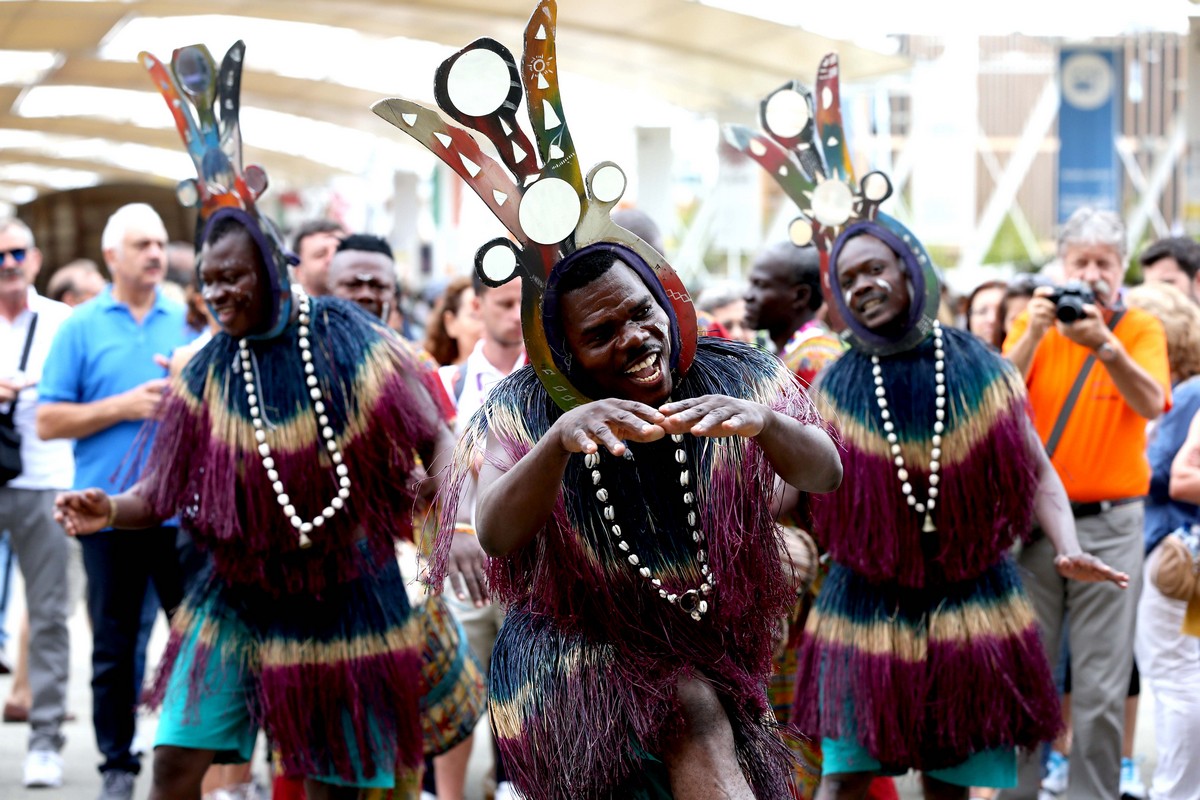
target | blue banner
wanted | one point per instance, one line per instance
(1089, 121)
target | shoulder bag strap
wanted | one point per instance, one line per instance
(7, 416)
(1064, 415)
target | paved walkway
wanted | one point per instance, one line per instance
(80, 756)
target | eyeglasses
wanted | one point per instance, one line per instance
(18, 254)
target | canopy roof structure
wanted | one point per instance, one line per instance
(77, 110)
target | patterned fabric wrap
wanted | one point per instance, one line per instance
(205, 462)
(810, 349)
(453, 696)
(988, 467)
(922, 645)
(332, 678)
(584, 671)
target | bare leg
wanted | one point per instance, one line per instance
(21, 694)
(701, 762)
(179, 772)
(450, 770)
(225, 776)
(940, 790)
(1131, 711)
(845, 786)
(1063, 743)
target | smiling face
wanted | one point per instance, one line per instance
(620, 336)
(873, 283)
(235, 284)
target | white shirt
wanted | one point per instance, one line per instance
(480, 376)
(46, 465)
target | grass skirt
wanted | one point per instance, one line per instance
(923, 678)
(334, 678)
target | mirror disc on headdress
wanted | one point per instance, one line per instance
(193, 70)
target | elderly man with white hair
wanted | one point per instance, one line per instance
(102, 379)
(1096, 373)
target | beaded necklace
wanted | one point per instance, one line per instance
(939, 426)
(691, 601)
(338, 502)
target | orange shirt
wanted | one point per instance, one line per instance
(1102, 453)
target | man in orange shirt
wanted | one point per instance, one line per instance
(1115, 361)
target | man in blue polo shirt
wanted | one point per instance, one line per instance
(101, 380)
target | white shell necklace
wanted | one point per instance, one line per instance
(691, 601)
(939, 427)
(260, 435)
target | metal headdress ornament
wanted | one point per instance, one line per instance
(537, 189)
(213, 139)
(803, 147)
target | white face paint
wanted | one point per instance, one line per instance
(884, 285)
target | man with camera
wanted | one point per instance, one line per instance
(1096, 373)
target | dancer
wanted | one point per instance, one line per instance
(922, 651)
(625, 496)
(285, 446)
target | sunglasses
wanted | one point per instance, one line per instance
(18, 254)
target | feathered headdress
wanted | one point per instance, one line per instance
(537, 189)
(803, 147)
(213, 139)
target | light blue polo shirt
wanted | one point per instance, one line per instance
(100, 351)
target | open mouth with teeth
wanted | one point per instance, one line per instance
(871, 303)
(646, 370)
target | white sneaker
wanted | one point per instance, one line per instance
(506, 791)
(1132, 787)
(43, 769)
(1058, 771)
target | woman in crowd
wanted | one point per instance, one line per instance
(1167, 658)
(454, 325)
(983, 311)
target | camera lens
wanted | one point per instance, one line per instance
(1069, 309)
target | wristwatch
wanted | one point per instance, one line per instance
(1106, 353)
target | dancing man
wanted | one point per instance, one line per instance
(626, 487)
(922, 650)
(285, 447)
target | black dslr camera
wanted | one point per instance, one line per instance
(1069, 300)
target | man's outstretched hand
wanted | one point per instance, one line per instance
(84, 512)
(1089, 569)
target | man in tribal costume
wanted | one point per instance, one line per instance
(625, 494)
(922, 651)
(285, 447)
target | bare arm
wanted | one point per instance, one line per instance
(1140, 390)
(1041, 317)
(1184, 484)
(1053, 511)
(1143, 394)
(514, 505)
(80, 420)
(91, 510)
(1051, 506)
